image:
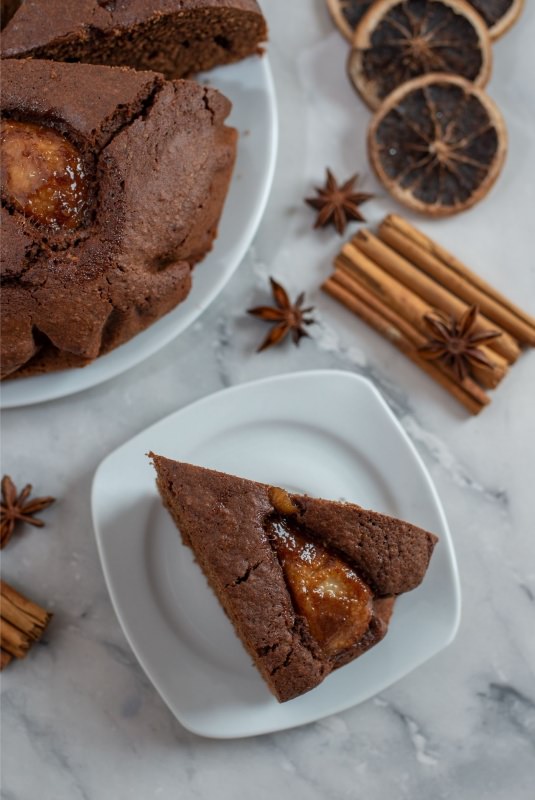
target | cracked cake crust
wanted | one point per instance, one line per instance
(224, 520)
(159, 159)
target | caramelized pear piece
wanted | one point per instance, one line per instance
(281, 501)
(43, 175)
(336, 603)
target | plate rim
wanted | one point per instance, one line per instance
(455, 585)
(57, 392)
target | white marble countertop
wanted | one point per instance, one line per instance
(80, 719)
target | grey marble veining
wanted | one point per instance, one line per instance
(80, 721)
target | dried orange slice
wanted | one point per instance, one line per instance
(438, 143)
(397, 40)
(499, 15)
(347, 14)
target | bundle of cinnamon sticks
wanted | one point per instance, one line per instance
(22, 623)
(394, 280)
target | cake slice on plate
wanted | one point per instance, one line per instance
(176, 37)
(308, 584)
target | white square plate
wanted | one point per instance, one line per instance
(324, 433)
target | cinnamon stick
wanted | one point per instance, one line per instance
(22, 622)
(445, 268)
(13, 640)
(408, 305)
(412, 334)
(5, 659)
(429, 290)
(400, 333)
(22, 613)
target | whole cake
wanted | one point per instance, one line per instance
(113, 183)
(175, 37)
(308, 584)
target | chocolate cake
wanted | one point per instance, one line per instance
(175, 37)
(113, 182)
(308, 584)
(7, 9)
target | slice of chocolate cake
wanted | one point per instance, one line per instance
(113, 182)
(175, 37)
(308, 584)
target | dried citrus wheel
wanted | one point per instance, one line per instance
(437, 144)
(397, 40)
(347, 14)
(499, 15)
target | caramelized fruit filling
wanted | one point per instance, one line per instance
(336, 603)
(43, 175)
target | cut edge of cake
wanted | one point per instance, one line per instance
(175, 37)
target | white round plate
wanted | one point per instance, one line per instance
(249, 85)
(328, 434)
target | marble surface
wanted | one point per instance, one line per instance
(81, 721)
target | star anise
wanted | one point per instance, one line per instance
(15, 509)
(455, 343)
(288, 317)
(338, 204)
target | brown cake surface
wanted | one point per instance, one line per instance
(7, 9)
(175, 37)
(150, 162)
(308, 584)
